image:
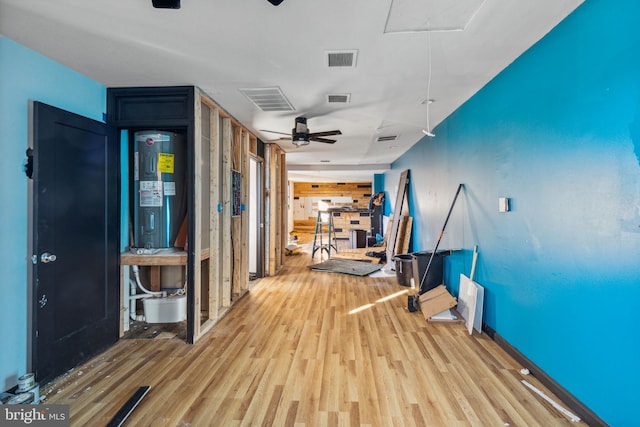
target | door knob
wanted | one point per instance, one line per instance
(47, 257)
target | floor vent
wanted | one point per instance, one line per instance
(268, 98)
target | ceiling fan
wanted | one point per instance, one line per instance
(300, 134)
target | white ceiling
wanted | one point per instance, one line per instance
(225, 45)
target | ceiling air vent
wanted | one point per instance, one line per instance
(387, 138)
(341, 58)
(338, 98)
(268, 98)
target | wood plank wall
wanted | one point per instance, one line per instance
(360, 192)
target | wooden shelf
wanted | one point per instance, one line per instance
(170, 256)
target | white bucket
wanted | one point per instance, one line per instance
(165, 310)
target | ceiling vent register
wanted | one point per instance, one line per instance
(338, 98)
(268, 98)
(387, 138)
(342, 58)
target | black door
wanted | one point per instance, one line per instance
(76, 235)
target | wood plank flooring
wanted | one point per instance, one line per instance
(311, 348)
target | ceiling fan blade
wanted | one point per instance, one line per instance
(273, 131)
(325, 140)
(325, 133)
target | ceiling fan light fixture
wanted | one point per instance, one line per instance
(299, 139)
(300, 126)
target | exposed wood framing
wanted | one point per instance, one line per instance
(216, 257)
(268, 220)
(276, 207)
(244, 232)
(215, 262)
(226, 211)
(253, 145)
(236, 220)
(284, 204)
(196, 244)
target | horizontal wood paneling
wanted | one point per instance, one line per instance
(360, 192)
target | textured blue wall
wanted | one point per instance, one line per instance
(559, 132)
(26, 75)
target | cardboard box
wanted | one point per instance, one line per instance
(436, 301)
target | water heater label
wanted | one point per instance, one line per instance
(169, 188)
(150, 194)
(165, 162)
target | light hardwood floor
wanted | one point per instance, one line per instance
(295, 352)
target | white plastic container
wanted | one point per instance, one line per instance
(170, 309)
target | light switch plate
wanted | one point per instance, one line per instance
(504, 204)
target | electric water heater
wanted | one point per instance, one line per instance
(159, 166)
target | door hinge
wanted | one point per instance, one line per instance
(28, 165)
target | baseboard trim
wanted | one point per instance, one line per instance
(576, 406)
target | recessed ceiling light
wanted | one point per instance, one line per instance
(428, 101)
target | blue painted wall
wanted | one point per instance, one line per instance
(559, 132)
(26, 75)
(378, 182)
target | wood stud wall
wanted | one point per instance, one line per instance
(244, 232)
(196, 244)
(216, 259)
(222, 275)
(276, 201)
(226, 210)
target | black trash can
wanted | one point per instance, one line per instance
(436, 271)
(404, 269)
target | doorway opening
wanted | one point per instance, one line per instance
(256, 219)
